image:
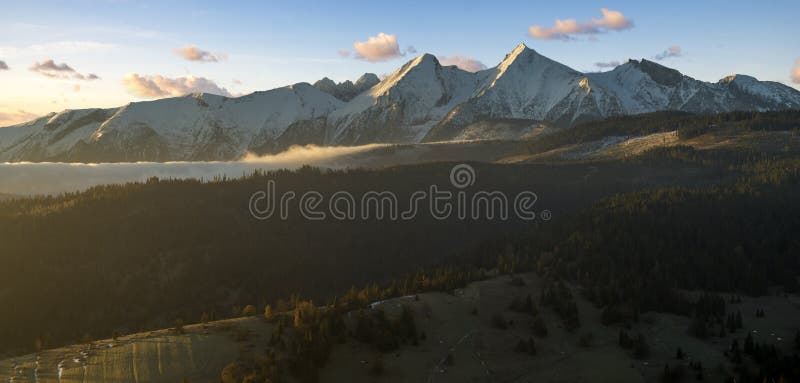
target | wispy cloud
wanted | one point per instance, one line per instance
(468, 64)
(566, 30)
(70, 47)
(343, 52)
(378, 48)
(607, 64)
(3, 65)
(49, 68)
(56, 48)
(159, 86)
(796, 72)
(193, 53)
(673, 51)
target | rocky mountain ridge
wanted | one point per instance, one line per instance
(422, 101)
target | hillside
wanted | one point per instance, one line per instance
(212, 243)
(458, 338)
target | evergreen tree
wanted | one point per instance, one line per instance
(748, 344)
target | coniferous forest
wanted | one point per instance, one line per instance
(631, 233)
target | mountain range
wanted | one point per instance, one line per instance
(422, 101)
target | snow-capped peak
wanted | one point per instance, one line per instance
(424, 63)
(421, 99)
(406, 104)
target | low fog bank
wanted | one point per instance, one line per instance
(26, 178)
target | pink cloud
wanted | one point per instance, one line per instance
(193, 53)
(49, 68)
(566, 29)
(796, 72)
(378, 48)
(159, 86)
(468, 64)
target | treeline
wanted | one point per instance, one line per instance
(631, 252)
(127, 258)
(636, 248)
(756, 362)
(304, 334)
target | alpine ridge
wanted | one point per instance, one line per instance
(422, 101)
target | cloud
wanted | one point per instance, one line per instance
(378, 48)
(193, 53)
(673, 51)
(49, 68)
(3, 65)
(50, 65)
(468, 64)
(159, 86)
(13, 117)
(411, 49)
(26, 178)
(607, 64)
(88, 77)
(796, 72)
(613, 20)
(565, 30)
(343, 52)
(69, 47)
(57, 48)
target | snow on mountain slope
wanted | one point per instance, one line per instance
(420, 101)
(199, 126)
(404, 106)
(50, 135)
(635, 90)
(644, 86)
(760, 95)
(527, 85)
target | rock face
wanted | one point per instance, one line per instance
(420, 101)
(347, 90)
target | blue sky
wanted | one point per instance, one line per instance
(262, 45)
